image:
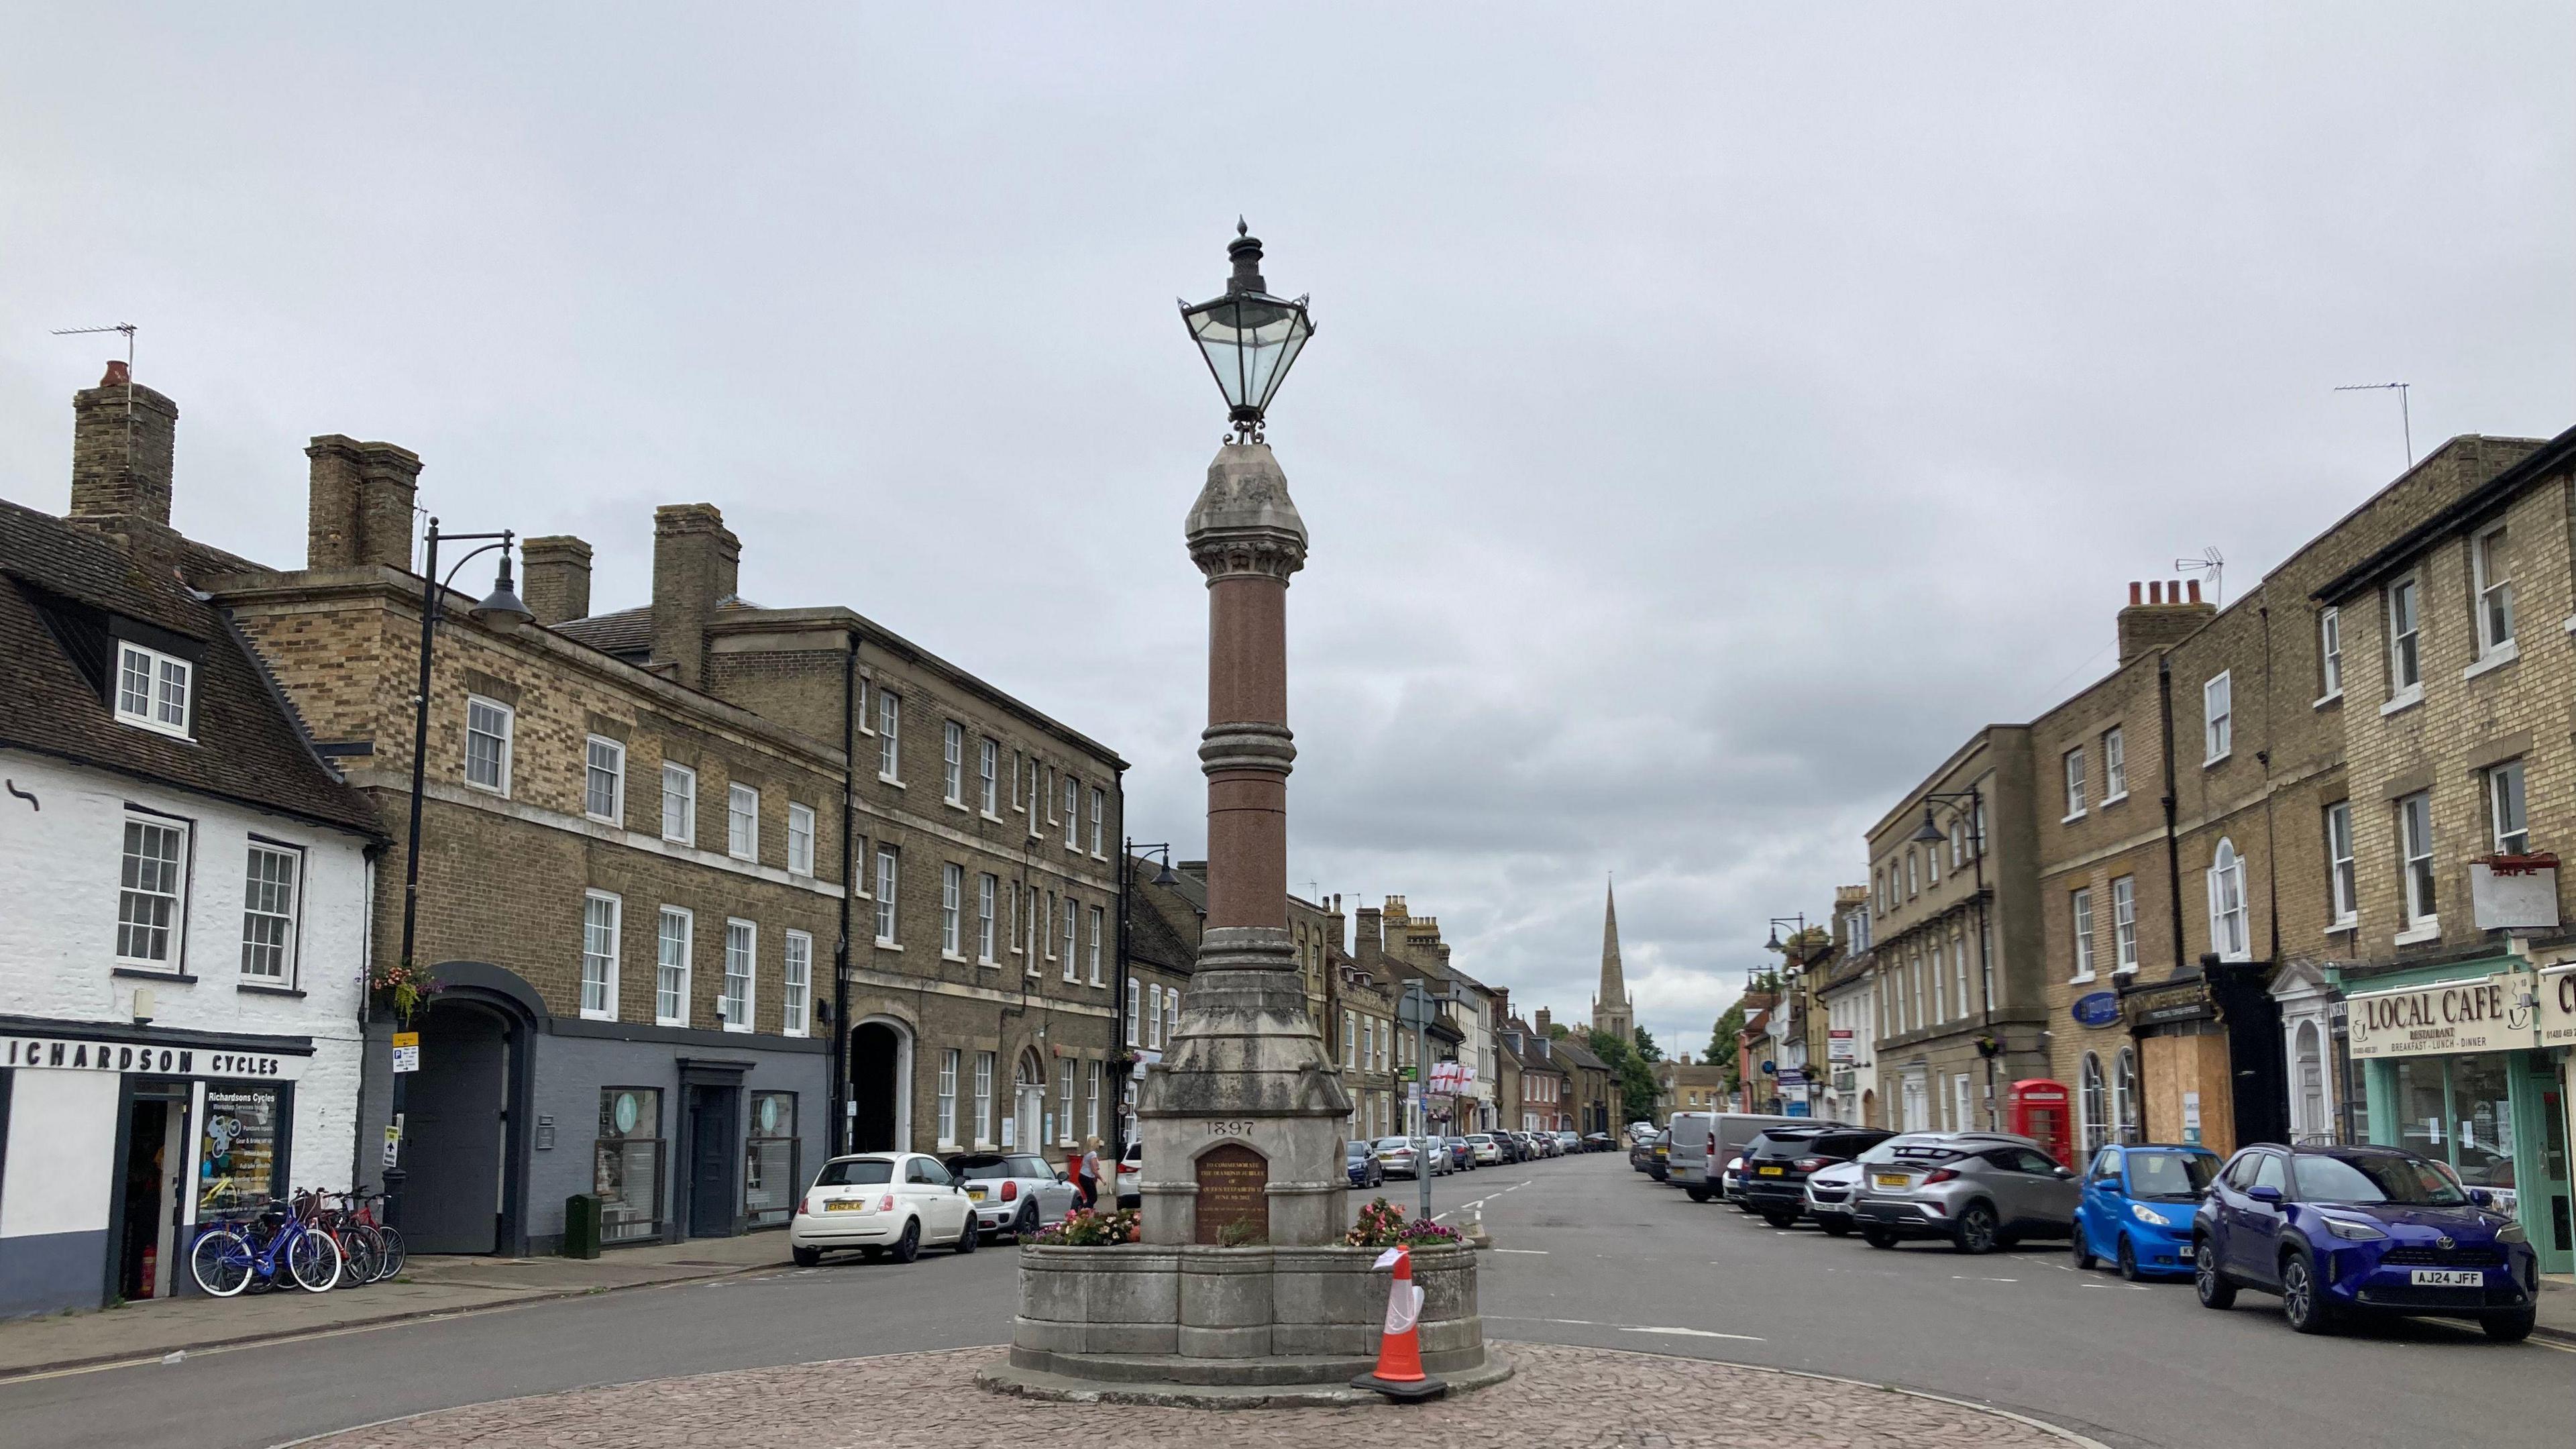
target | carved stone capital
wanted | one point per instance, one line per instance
(1244, 521)
(1247, 745)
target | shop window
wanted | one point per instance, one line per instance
(769, 1176)
(627, 1167)
(237, 1153)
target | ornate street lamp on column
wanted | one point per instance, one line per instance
(1242, 1119)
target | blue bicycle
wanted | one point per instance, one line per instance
(227, 1259)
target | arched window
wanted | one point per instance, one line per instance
(2227, 903)
(2124, 1095)
(2097, 1120)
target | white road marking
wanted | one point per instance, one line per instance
(1968, 1278)
(1632, 1328)
(1533, 1252)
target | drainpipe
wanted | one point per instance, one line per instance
(2173, 869)
(840, 1053)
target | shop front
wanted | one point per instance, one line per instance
(2455, 1066)
(118, 1144)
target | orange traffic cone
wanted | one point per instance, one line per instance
(1399, 1372)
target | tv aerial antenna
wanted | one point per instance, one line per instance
(2405, 418)
(2212, 563)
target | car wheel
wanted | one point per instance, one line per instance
(2510, 1328)
(1697, 1192)
(2206, 1280)
(908, 1247)
(1877, 1238)
(1783, 1221)
(2084, 1259)
(806, 1257)
(2303, 1301)
(1025, 1226)
(2129, 1260)
(1975, 1233)
(1834, 1227)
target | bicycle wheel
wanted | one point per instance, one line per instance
(358, 1246)
(220, 1262)
(313, 1260)
(394, 1256)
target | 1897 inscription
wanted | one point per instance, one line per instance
(1234, 1188)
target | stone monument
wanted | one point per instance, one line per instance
(1240, 1289)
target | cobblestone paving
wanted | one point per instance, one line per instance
(1560, 1398)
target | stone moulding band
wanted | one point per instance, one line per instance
(1247, 745)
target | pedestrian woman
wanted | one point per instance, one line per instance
(1087, 1175)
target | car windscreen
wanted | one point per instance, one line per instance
(1030, 1167)
(1795, 1142)
(1479, 1137)
(2171, 1176)
(1384, 1143)
(2373, 1179)
(981, 1169)
(867, 1172)
(1355, 1149)
(1909, 1151)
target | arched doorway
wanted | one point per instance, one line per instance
(1869, 1107)
(1028, 1102)
(459, 1184)
(881, 1085)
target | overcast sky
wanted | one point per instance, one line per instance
(1714, 413)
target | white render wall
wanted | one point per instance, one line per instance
(60, 864)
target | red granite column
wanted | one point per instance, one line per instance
(1246, 537)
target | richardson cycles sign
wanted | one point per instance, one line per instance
(2492, 1013)
(2558, 1006)
(107, 1056)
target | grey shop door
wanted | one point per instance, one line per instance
(714, 1157)
(455, 1120)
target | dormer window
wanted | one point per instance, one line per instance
(152, 689)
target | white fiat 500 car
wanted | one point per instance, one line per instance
(882, 1203)
(1013, 1192)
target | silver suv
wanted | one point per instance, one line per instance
(1980, 1190)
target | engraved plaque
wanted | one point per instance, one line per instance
(1234, 1187)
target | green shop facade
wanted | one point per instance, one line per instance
(2470, 1062)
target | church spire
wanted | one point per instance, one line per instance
(1612, 1011)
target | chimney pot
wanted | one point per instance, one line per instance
(556, 578)
(2195, 591)
(2155, 591)
(2134, 590)
(118, 374)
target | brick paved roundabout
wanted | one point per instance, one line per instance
(1559, 1398)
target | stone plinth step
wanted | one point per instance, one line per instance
(1062, 1387)
(1172, 1368)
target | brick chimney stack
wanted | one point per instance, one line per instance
(2162, 618)
(1539, 1021)
(556, 579)
(359, 510)
(121, 456)
(696, 565)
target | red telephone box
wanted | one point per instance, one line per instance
(2036, 1108)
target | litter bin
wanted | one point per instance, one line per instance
(581, 1225)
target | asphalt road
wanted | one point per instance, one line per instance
(1587, 1252)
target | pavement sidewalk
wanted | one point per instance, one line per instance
(428, 1286)
(2557, 1308)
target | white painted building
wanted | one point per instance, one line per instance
(186, 892)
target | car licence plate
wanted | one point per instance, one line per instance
(1890, 1179)
(2447, 1278)
(1771, 1171)
(844, 1205)
(976, 1193)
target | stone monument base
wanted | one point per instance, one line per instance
(1253, 1325)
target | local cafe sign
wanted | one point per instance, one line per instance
(2558, 1006)
(2489, 1014)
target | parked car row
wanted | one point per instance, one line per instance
(893, 1204)
(2335, 1232)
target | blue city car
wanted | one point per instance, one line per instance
(2136, 1208)
(1359, 1159)
(2343, 1232)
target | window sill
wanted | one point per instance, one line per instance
(745, 859)
(2496, 658)
(957, 805)
(498, 791)
(2344, 925)
(261, 988)
(989, 815)
(2062, 820)
(741, 1030)
(670, 1021)
(885, 779)
(2214, 761)
(613, 822)
(2322, 700)
(794, 1031)
(154, 973)
(589, 1015)
(2085, 979)
(884, 945)
(2407, 699)
(687, 841)
(957, 956)
(2108, 800)
(2429, 930)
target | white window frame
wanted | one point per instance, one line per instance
(800, 839)
(2124, 924)
(670, 979)
(737, 1007)
(795, 983)
(1072, 937)
(952, 763)
(175, 928)
(2508, 809)
(602, 756)
(1092, 1073)
(952, 910)
(2230, 917)
(2405, 640)
(2330, 652)
(2218, 716)
(2418, 888)
(2115, 765)
(1099, 919)
(2343, 879)
(687, 831)
(288, 920)
(1072, 813)
(742, 826)
(1153, 1014)
(1171, 1013)
(2073, 762)
(889, 737)
(509, 719)
(1099, 823)
(162, 695)
(988, 889)
(1913, 877)
(984, 1064)
(2079, 905)
(889, 880)
(2491, 596)
(988, 785)
(1064, 1100)
(1135, 1005)
(949, 1061)
(598, 967)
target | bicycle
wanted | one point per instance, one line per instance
(359, 1242)
(391, 1255)
(226, 1260)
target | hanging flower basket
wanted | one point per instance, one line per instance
(401, 989)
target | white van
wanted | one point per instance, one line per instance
(1703, 1142)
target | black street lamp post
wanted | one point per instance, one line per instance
(1249, 337)
(1969, 806)
(1118, 1003)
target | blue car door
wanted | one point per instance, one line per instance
(2254, 1238)
(2102, 1204)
